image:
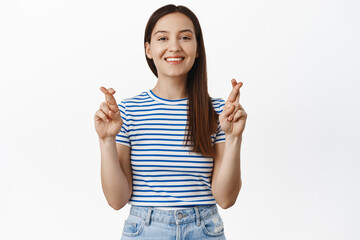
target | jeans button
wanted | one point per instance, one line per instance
(180, 216)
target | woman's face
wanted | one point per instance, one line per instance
(173, 46)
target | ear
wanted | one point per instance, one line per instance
(197, 54)
(147, 50)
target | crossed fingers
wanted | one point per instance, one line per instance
(235, 93)
(233, 109)
(109, 98)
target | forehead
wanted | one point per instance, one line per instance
(173, 22)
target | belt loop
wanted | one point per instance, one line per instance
(148, 216)
(197, 216)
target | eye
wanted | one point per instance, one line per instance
(186, 38)
(161, 39)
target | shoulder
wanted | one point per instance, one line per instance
(139, 98)
(218, 104)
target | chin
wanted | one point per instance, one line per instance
(176, 75)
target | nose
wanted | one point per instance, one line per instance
(174, 46)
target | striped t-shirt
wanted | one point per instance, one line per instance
(165, 172)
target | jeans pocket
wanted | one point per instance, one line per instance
(213, 226)
(133, 226)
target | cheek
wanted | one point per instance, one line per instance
(157, 51)
(192, 53)
(157, 55)
(191, 50)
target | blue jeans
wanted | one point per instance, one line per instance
(199, 222)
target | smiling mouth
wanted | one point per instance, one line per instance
(174, 60)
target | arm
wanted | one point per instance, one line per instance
(116, 176)
(226, 178)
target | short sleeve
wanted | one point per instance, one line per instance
(219, 136)
(123, 136)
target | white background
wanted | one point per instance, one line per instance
(299, 62)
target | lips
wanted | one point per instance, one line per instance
(174, 59)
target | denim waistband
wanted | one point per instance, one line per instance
(181, 216)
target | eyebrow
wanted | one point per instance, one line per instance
(181, 31)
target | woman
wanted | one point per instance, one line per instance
(172, 152)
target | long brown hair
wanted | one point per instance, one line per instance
(202, 118)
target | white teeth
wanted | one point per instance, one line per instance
(173, 59)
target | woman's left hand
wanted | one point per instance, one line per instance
(233, 117)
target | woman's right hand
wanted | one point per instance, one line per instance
(108, 120)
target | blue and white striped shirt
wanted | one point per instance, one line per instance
(165, 172)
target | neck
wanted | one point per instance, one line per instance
(171, 88)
